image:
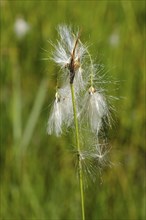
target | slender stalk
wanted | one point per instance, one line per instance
(78, 149)
(92, 73)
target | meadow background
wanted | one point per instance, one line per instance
(38, 179)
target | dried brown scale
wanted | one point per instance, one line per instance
(92, 90)
(72, 71)
(73, 64)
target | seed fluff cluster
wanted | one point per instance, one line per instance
(92, 105)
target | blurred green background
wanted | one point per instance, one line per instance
(38, 178)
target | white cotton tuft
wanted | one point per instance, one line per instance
(79, 82)
(67, 37)
(55, 119)
(62, 111)
(67, 108)
(94, 109)
(64, 48)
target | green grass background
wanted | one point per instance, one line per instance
(38, 178)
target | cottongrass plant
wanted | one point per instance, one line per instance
(80, 103)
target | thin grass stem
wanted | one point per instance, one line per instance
(78, 149)
(92, 71)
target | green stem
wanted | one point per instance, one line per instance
(78, 149)
(92, 73)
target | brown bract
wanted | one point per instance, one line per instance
(74, 64)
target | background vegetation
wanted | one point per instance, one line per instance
(38, 178)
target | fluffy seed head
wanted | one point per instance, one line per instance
(90, 104)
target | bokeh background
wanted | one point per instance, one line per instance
(38, 177)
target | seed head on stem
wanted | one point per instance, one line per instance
(79, 100)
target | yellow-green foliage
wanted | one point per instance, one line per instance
(38, 179)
